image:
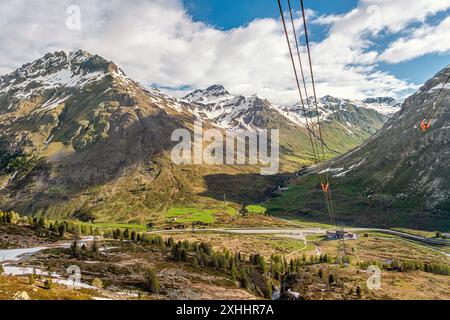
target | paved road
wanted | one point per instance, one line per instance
(433, 241)
(291, 233)
(302, 233)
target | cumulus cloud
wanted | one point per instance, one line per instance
(423, 40)
(347, 64)
(157, 42)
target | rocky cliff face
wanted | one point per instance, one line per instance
(402, 169)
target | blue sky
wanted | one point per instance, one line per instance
(234, 13)
(360, 48)
(229, 14)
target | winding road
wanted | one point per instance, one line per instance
(302, 233)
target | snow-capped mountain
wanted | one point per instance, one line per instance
(218, 106)
(329, 105)
(75, 130)
(225, 110)
(57, 76)
(384, 105)
(52, 72)
(213, 94)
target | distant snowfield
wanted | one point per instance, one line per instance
(387, 110)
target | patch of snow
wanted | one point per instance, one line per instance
(342, 174)
(4, 185)
(51, 104)
(439, 87)
(48, 140)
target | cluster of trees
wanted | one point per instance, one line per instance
(56, 227)
(250, 273)
(253, 272)
(300, 284)
(119, 234)
(9, 217)
(80, 250)
(279, 265)
(16, 159)
(409, 265)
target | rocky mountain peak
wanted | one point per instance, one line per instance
(51, 63)
(329, 99)
(55, 70)
(436, 83)
(211, 94)
(216, 90)
(380, 100)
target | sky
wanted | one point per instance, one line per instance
(360, 48)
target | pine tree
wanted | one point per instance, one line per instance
(31, 278)
(233, 273)
(126, 234)
(61, 229)
(320, 274)
(152, 281)
(268, 289)
(243, 277)
(195, 263)
(8, 219)
(331, 279)
(358, 292)
(74, 247)
(117, 234)
(94, 246)
(183, 255)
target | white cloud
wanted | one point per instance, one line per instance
(158, 42)
(424, 40)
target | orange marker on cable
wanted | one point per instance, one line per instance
(425, 126)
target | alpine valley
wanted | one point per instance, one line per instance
(78, 138)
(87, 181)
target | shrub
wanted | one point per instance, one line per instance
(48, 284)
(97, 283)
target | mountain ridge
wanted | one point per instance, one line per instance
(95, 143)
(217, 98)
